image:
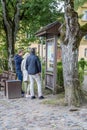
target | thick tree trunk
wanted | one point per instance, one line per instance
(70, 73)
(70, 46)
(11, 29)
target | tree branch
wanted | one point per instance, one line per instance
(16, 18)
(23, 14)
(5, 17)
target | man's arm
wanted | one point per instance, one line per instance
(39, 64)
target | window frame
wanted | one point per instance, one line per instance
(84, 17)
(85, 52)
(85, 37)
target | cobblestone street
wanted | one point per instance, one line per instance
(27, 114)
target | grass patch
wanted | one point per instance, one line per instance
(85, 72)
(55, 100)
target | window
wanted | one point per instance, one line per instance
(85, 52)
(85, 37)
(84, 18)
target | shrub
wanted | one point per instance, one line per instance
(60, 75)
(81, 76)
(3, 64)
(82, 63)
(43, 71)
(59, 63)
(60, 80)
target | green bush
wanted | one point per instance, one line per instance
(59, 63)
(60, 80)
(81, 76)
(3, 64)
(43, 71)
(59, 73)
(82, 63)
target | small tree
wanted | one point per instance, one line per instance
(32, 14)
(11, 23)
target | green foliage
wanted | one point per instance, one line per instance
(78, 3)
(3, 57)
(60, 81)
(59, 63)
(81, 76)
(82, 64)
(38, 13)
(11, 8)
(43, 71)
(33, 15)
(3, 64)
(1, 21)
(83, 28)
(59, 73)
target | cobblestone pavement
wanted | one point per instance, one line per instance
(27, 114)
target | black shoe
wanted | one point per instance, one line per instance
(22, 95)
(41, 97)
(33, 97)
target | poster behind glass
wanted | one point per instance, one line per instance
(50, 55)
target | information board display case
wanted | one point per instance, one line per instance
(51, 34)
(51, 63)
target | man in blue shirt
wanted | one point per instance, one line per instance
(33, 66)
(18, 59)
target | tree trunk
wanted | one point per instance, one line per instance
(70, 74)
(11, 29)
(10, 49)
(69, 47)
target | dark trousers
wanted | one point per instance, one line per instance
(20, 77)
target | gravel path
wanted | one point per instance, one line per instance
(27, 114)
